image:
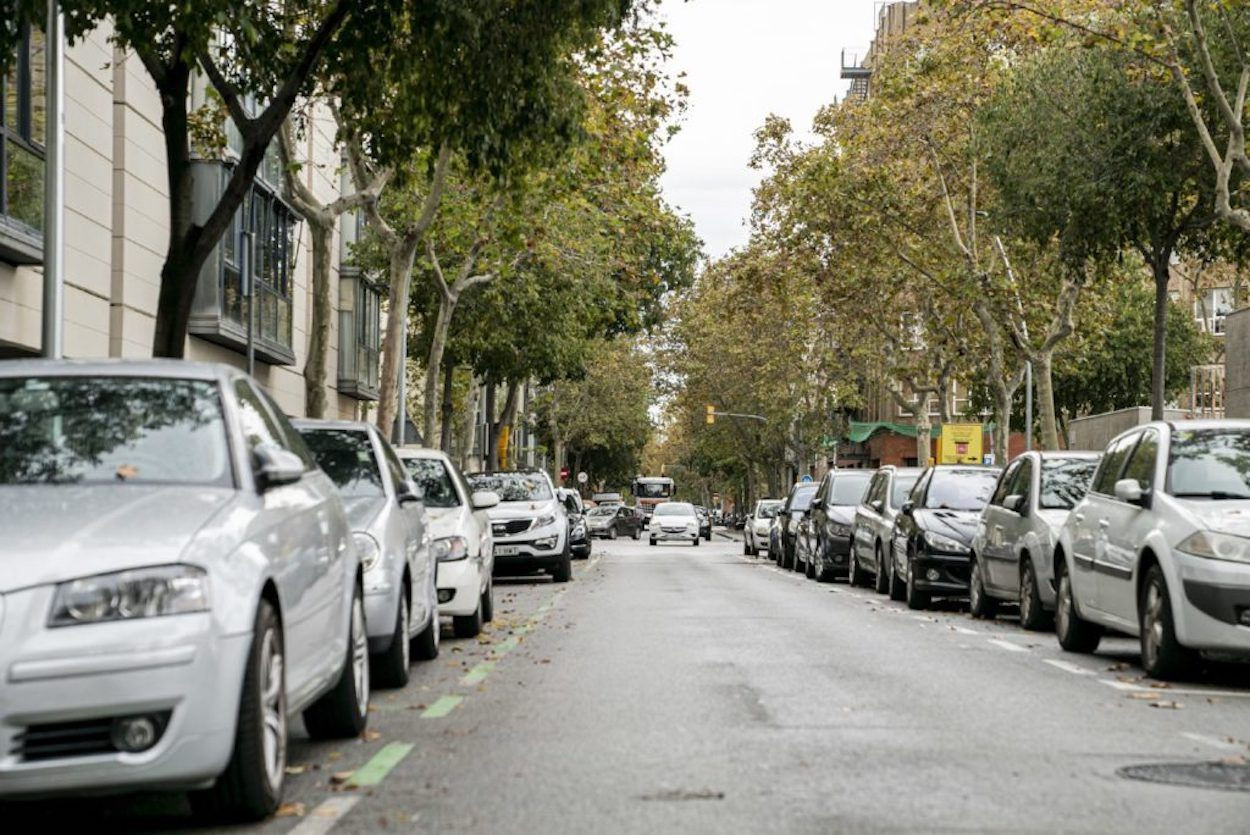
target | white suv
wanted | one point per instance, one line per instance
(1160, 546)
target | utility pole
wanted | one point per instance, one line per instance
(54, 187)
(249, 290)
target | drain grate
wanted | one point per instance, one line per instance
(1216, 775)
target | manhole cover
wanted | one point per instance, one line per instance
(1226, 776)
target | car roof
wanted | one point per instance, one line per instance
(318, 423)
(902, 470)
(410, 452)
(1199, 425)
(163, 368)
(1051, 454)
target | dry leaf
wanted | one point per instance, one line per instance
(333, 755)
(296, 769)
(1236, 759)
(340, 777)
(290, 810)
(370, 736)
(1160, 685)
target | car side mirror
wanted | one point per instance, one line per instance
(908, 508)
(817, 504)
(409, 492)
(1130, 490)
(1014, 503)
(877, 505)
(484, 499)
(276, 466)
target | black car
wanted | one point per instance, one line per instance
(933, 533)
(825, 533)
(579, 532)
(615, 520)
(791, 513)
(705, 522)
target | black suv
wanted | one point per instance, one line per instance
(788, 518)
(825, 533)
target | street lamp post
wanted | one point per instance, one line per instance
(54, 187)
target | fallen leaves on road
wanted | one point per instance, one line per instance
(290, 810)
(333, 755)
(1167, 705)
(1160, 685)
(338, 778)
(294, 770)
(371, 736)
(1117, 667)
(1236, 759)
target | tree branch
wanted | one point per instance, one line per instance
(229, 94)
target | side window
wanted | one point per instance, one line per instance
(259, 427)
(916, 496)
(1022, 484)
(399, 476)
(876, 490)
(1005, 482)
(1112, 463)
(1141, 465)
(291, 438)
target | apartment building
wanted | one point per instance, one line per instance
(116, 233)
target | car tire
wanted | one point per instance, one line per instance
(612, 534)
(637, 534)
(343, 712)
(980, 604)
(488, 602)
(468, 626)
(1033, 616)
(390, 668)
(1162, 655)
(250, 789)
(425, 646)
(746, 548)
(1074, 633)
(880, 583)
(563, 571)
(898, 588)
(916, 599)
(697, 542)
(652, 542)
(854, 575)
(810, 569)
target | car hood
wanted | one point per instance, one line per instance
(674, 521)
(55, 533)
(1222, 516)
(362, 511)
(959, 525)
(520, 510)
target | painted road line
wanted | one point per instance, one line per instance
(963, 630)
(326, 814)
(1069, 667)
(442, 707)
(1214, 741)
(504, 647)
(478, 674)
(1211, 694)
(372, 772)
(1123, 685)
(1007, 645)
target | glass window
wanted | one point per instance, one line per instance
(346, 455)
(259, 427)
(767, 510)
(514, 487)
(1211, 464)
(1112, 463)
(112, 430)
(432, 477)
(674, 509)
(1022, 482)
(398, 473)
(848, 489)
(1003, 490)
(1065, 481)
(291, 438)
(960, 489)
(801, 498)
(903, 485)
(272, 225)
(22, 135)
(1141, 465)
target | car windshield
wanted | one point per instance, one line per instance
(848, 490)
(1065, 481)
(112, 430)
(961, 489)
(514, 487)
(602, 511)
(674, 509)
(346, 455)
(802, 498)
(767, 511)
(432, 477)
(651, 490)
(1210, 464)
(902, 486)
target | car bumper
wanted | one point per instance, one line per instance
(463, 580)
(100, 671)
(837, 552)
(1214, 610)
(674, 536)
(528, 557)
(593, 532)
(942, 574)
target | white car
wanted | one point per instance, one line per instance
(462, 540)
(177, 576)
(529, 525)
(1160, 546)
(674, 521)
(756, 530)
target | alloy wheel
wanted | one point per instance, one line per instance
(1152, 632)
(273, 710)
(1026, 593)
(360, 655)
(1063, 611)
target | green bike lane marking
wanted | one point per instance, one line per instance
(442, 706)
(374, 771)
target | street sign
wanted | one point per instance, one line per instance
(582, 478)
(805, 479)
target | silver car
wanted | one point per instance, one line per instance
(387, 518)
(755, 531)
(177, 575)
(872, 531)
(1013, 548)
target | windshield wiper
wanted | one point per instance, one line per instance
(1217, 495)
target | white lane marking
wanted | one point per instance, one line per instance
(1122, 685)
(963, 630)
(1007, 645)
(1212, 694)
(1213, 741)
(1069, 667)
(924, 618)
(323, 818)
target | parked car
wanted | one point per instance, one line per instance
(788, 518)
(873, 529)
(460, 538)
(705, 522)
(603, 499)
(1159, 548)
(933, 532)
(612, 521)
(824, 540)
(756, 526)
(209, 588)
(673, 521)
(579, 534)
(387, 519)
(1013, 549)
(528, 525)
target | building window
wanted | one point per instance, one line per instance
(23, 124)
(1211, 307)
(360, 335)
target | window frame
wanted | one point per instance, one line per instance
(21, 243)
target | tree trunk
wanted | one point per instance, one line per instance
(315, 400)
(449, 408)
(924, 445)
(179, 273)
(1003, 396)
(503, 434)
(1158, 377)
(402, 256)
(468, 430)
(557, 439)
(1044, 381)
(434, 362)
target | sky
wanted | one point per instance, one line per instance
(744, 59)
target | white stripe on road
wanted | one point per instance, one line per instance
(1069, 667)
(1213, 741)
(1007, 645)
(1121, 685)
(323, 818)
(963, 630)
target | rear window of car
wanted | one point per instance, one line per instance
(432, 477)
(346, 455)
(1065, 481)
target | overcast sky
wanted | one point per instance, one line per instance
(743, 60)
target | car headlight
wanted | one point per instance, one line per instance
(944, 543)
(367, 549)
(124, 595)
(579, 529)
(1217, 546)
(450, 548)
(544, 521)
(840, 530)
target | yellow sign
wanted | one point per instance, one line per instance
(711, 414)
(960, 443)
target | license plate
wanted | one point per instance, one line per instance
(507, 550)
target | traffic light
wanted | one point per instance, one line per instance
(711, 414)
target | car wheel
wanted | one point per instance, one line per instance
(468, 626)
(746, 546)
(652, 542)
(390, 669)
(854, 576)
(1162, 655)
(637, 534)
(1075, 634)
(881, 582)
(809, 568)
(344, 711)
(250, 788)
(563, 572)
(488, 602)
(1033, 615)
(697, 543)
(898, 589)
(980, 604)
(425, 645)
(916, 599)
(612, 534)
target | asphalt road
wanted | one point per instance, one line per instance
(680, 689)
